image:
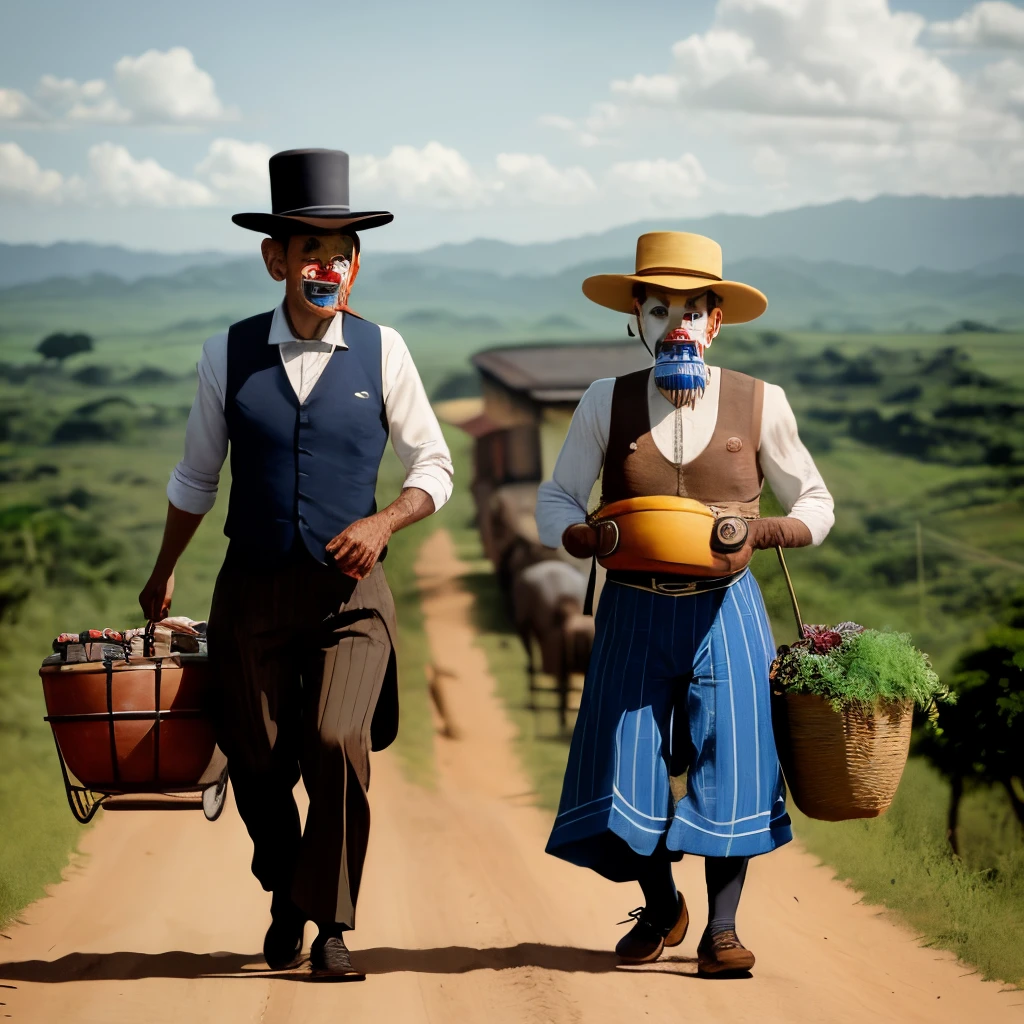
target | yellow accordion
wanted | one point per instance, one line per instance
(666, 534)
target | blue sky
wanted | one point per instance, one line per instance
(148, 125)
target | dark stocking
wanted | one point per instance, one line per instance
(659, 887)
(724, 877)
(331, 930)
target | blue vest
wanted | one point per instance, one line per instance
(305, 468)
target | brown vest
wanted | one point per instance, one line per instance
(726, 475)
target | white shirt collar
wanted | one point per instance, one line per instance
(281, 332)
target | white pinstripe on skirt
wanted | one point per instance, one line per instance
(689, 670)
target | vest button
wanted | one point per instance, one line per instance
(303, 419)
(734, 444)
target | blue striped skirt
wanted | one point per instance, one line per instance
(675, 684)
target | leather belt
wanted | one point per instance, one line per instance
(674, 586)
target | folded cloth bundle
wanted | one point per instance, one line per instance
(174, 635)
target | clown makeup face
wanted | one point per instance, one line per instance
(318, 271)
(679, 328)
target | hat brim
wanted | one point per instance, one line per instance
(741, 303)
(276, 223)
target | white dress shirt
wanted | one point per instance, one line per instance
(413, 427)
(681, 435)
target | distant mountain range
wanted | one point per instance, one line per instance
(428, 299)
(23, 264)
(890, 233)
(894, 233)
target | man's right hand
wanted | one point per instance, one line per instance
(155, 599)
(582, 540)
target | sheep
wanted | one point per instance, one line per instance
(547, 605)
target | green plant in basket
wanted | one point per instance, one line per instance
(849, 665)
(842, 711)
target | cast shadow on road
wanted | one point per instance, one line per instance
(126, 966)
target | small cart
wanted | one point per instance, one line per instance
(136, 734)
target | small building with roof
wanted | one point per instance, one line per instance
(528, 395)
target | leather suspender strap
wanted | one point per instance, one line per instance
(588, 601)
(629, 420)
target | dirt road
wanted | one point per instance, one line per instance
(462, 916)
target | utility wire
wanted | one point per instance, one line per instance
(978, 553)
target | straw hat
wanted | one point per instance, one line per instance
(677, 261)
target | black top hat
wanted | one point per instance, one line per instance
(310, 186)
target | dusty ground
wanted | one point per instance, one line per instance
(462, 917)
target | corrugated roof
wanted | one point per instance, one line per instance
(560, 372)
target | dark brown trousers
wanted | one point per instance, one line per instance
(302, 653)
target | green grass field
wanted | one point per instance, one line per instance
(114, 490)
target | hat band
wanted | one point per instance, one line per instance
(676, 271)
(313, 211)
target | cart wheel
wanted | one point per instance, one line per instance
(214, 796)
(84, 803)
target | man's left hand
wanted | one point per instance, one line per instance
(357, 548)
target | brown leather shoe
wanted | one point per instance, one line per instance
(723, 954)
(646, 940)
(329, 960)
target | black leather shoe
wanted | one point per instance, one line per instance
(329, 958)
(645, 941)
(282, 946)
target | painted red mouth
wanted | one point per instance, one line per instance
(679, 334)
(321, 274)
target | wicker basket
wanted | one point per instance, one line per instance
(841, 765)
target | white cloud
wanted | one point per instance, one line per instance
(230, 171)
(769, 163)
(660, 181)
(78, 101)
(121, 179)
(236, 168)
(589, 131)
(439, 177)
(844, 96)
(534, 179)
(157, 87)
(21, 177)
(15, 105)
(806, 58)
(168, 88)
(569, 126)
(435, 176)
(991, 25)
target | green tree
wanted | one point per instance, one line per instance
(981, 736)
(62, 346)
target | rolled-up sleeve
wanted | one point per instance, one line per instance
(415, 433)
(194, 480)
(789, 468)
(562, 501)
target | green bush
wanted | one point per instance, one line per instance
(851, 665)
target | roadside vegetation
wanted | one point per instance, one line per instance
(928, 542)
(84, 461)
(920, 438)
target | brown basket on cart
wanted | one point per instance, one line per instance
(844, 764)
(135, 735)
